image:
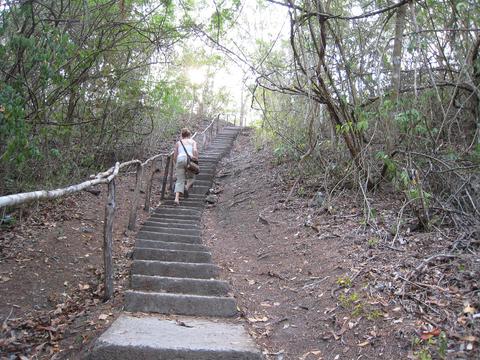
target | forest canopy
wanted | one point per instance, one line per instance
(84, 83)
(364, 94)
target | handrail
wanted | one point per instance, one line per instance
(100, 178)
(108, 177)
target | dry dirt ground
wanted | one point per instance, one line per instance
(51, 273)
(317, 284)
(311, 282)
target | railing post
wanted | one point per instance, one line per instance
(136, 192)
(108, 239)
(211, 135)
(165, 176)
(217, 120)
(148, 193)
(171, 175)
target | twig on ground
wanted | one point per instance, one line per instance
(315, 283)
(239, 201)
(425, 262)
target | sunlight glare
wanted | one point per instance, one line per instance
(356, 10)
(197, 75)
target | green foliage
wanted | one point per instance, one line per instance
(347, 301)
(389, 163)
(375, 314)
(344, 281)
(433, 346)
(372, 242)
(79, 91)
(408, 121)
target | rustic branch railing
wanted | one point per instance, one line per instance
(108, 177)
(205, 138)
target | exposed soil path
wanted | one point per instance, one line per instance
(312, 284)
(300, 276)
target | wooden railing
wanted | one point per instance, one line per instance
(108, 177)
(204, 139)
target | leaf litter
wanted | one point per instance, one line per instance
(344, 289)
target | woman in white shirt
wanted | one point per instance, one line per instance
(180, 159)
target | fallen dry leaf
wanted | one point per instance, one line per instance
(470, 338)
(312, 352)
(429, 334)
(4, 279)
(255, 319)
(103, 317)
(84, 286)
(468, 309)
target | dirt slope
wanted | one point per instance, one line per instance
(316, 284)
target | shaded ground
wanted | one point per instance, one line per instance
(311, 283)
(316, 284)
(51, 267)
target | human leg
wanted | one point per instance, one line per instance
(180, 182)
(190, 180)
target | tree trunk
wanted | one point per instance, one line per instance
(396, 72)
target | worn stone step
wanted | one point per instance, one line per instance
(208, 177)
(171, 230)
(213, 158)
(175, 269)
(156, 244)
(174, 221)
(155, 235)
(192, 197)
(176, 210)
(172, 255)
(208, 162)
(154, 338)
(207, 170)
(206, 287)
(187, 203)
(170, 225)
(180, 304)
(200, 189)
(174, 226)
(175, 216)
(181, 223)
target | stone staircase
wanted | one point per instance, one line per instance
(173, 274)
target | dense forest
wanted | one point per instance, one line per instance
(386, 96)
(374, 101)
(84, 83)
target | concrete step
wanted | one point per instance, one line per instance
(199, 182)
(200, 189)
(155, 235)
(207, 171)
(172, 269)
(205, 287)
(171, 230)
(192, 197)
(180, 304)
(170, 225)
(172, 255)
(154, 338)
(177, 210)
(187, 203)
(208, 177)
(174, 221)
(155, 244)
(174, 217)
